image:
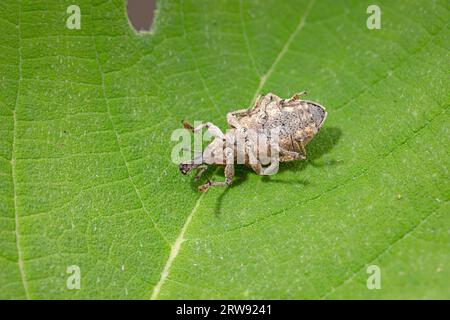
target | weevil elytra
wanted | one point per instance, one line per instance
(283, 127)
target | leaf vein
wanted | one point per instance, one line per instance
(13, 169)
(118, 141)
(381, 253)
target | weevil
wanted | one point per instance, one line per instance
(295, 121)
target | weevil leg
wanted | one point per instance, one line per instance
(302, 149)
(253, 160)
(265, 171)
(201, 169)
(256, 165)
(187, 125)
(229, 173)
(233, 117)
(302, 140)
(298, 95)
(292, 154)
(213, 129)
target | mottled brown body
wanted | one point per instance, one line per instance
(296, 120)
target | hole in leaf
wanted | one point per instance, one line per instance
(141, 14)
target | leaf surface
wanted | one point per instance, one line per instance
(86, 177)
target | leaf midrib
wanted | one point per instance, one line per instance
(13, 165)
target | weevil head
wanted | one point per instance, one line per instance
(187, 167)
(318, 114)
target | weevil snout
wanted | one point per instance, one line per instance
(185, 168)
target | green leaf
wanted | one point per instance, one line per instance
(86, 177)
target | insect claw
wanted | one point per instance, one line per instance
(186, 125)
(205, 186)
(298, 95)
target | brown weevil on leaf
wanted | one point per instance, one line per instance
(273, 129)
